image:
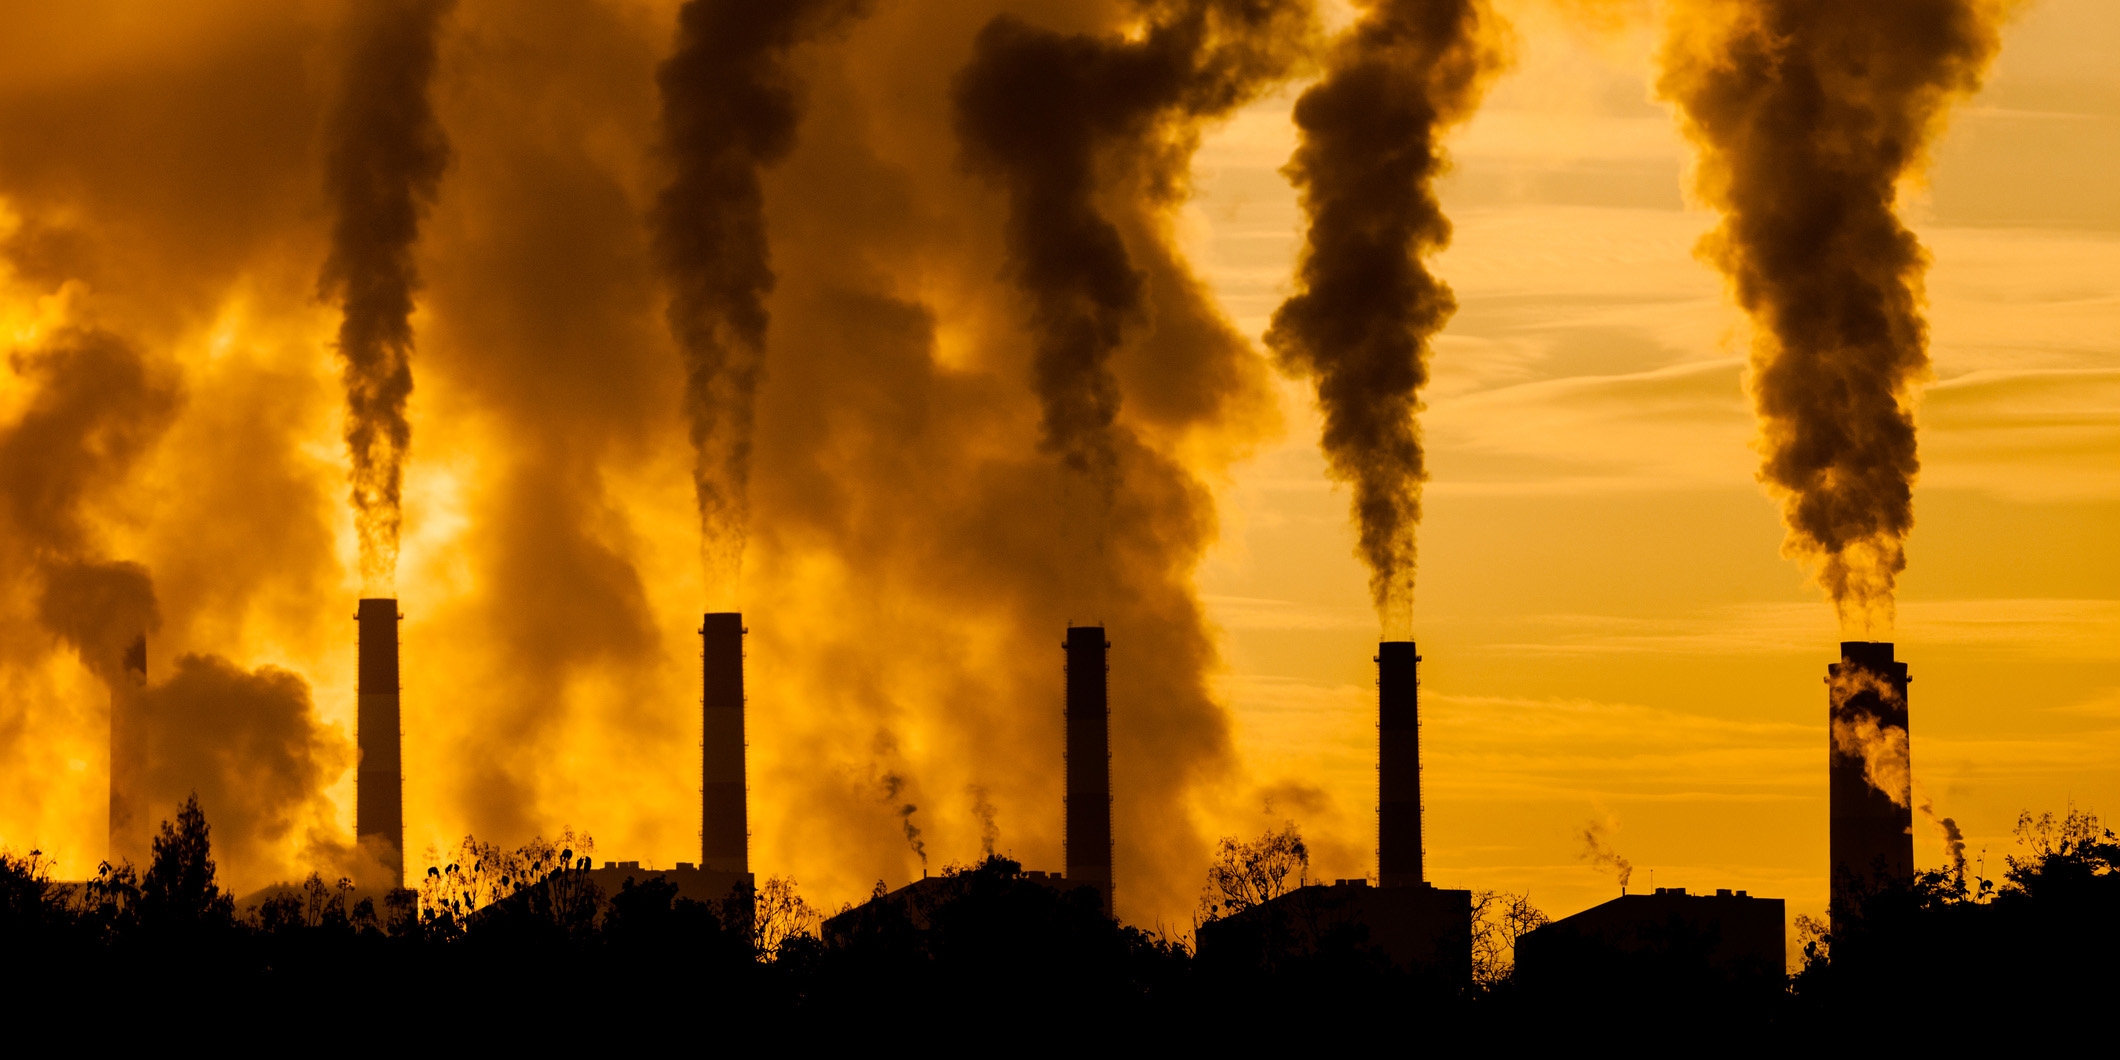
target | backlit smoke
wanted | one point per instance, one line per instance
(97, 408)
(1055, 118)
(1953, 839)
(983, 811)
(1809, 115)
(917, 550)
(248, 743)
(385, 163)
(1887, 759)
(1366, 308)
(892, 785)
(1598, 852)
(730, 107)
(1885, 753)
(1883, 748)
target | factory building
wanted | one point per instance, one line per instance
(1667, 939)
(1424, 929)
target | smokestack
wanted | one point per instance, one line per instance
(379, 803)
(1872, 840)
(128, 814)
(724, 830)
(1089, 763)
(1398, 765)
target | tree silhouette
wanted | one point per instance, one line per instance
(1251, 874)
(779, 914)
(33, 909)
(1499, 918)
(179, 893)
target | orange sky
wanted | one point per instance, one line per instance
(1610, 632)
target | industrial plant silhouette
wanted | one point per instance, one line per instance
(1008, 942)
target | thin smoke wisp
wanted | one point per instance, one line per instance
(1597, 850)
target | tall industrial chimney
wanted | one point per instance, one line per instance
(1089, 766)
(1398, 765)
(724, 830)
(129, 837)
(379, 798)
(1872, 839)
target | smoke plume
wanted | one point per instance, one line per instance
(730, 107)
(1808, 116)
(892, 785)
(1882, 748)
(1598, 851)
(1049, 116)
(98, 407)
(248, 742)
(912, 552)
(1887, 758)
(386, 157)
(1366, 308)
(1953, 839)
(983, 811)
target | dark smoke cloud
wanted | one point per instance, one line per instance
(100, 609)
(1050, 116)
(907, 524)
(1808, 115)
(97, 409)
(730, 107)
(156, 169)
(546, 364)
(912, 559)
(385, 164)
(1367, 309)
(248, 742)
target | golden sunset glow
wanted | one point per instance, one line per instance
(1613, 638)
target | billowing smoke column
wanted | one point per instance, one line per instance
(96, 408)
(1089, 766)
(1366, 308)
(1398, 765)
(1040, 112)
(724, 815)
(730, 108)
(379, 810)
(128, 766)
(1872, 839)
(387, 154)
(1808, 115)
(247, 742)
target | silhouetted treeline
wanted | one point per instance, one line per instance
(993, 946)
(2042, 944)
